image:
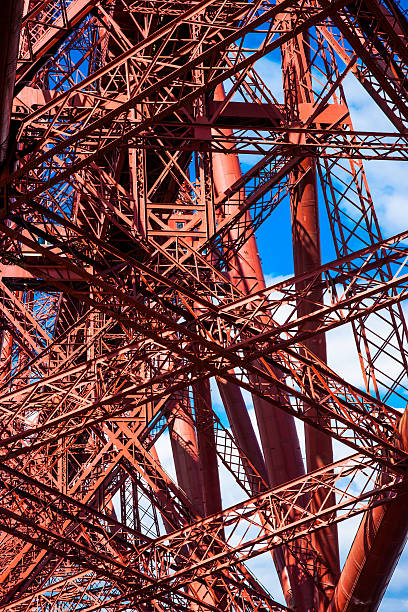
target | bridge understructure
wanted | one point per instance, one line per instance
(150, 375)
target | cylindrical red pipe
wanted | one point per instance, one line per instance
(5, 354)
(241, 425)
(10, 26)
(187, 464)
(277, 429)
(186, 458)
(244, 434)
(373, 556)
(375, 551)
(206, 447)
(297, 87)
(307, 257)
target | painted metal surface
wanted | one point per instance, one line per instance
(151, 381)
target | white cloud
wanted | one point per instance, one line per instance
(342, 355)
(393, 208)
(392, 604)
(365, 113)
(388, 183)
(399, 581)
(271, 279)
(163, 449)
(263, 568)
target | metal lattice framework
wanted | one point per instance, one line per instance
(133, 293)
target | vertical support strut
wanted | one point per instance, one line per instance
(186, 459)
(241, 425)
(117, 310)
(10, 26)
(306, 256)
(6, 345)
(376, 549)
(206, 448)
(277, 429)
(297, 86)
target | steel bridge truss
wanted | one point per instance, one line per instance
(138, 335)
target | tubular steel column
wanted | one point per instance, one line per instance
(206, 448)
(244, 433)
(307, 257)
(276, 428)
(241, 425)
(6, 345)
(10, 26)
(187, 461)
(377, 546)
(119, 213)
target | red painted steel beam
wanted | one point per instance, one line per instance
(374, 554)
(375, 551)
(277, 430)
(381, 47)
(212, 55)
(179, 338)
(266, 336)
(241, 425)
(324, 143)
(186, 457)
(39, 45)
(281, 499)
(206, 445)
(297, 86)
(277, 502)
(373, 31)
(372, 559)
(10, 25)
(306, 255)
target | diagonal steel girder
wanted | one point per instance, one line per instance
(253, 349)
(307, 17)
(37, 498)
(50, 521)
(276, 516)
(376, 38)
(63, 18)
(287, 518)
